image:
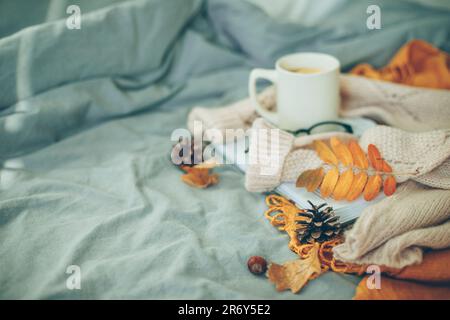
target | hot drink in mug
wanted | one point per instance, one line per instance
(307, 90)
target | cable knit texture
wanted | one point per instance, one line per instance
(412, 155)
(269, 147)
(404, 107)
(292, 166)
(394, 231)
(438, 177)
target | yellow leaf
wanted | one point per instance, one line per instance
(358, 154)
(325, 153)
(295, 274)
(372, 188)
(329, 182)
(310, 179)
(358, 184)
(343, 185)
(341, 151)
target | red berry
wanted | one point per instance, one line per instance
(257, 265)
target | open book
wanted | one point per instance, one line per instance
(347, 211)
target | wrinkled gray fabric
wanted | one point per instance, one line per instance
(85, 123)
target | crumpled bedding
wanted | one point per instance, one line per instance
(85, 123)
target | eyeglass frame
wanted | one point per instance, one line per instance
(348, 128)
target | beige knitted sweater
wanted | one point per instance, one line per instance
(393, 231)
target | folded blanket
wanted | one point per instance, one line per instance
(428, 280)
(393, 231)
(417, 63)
(392, 289)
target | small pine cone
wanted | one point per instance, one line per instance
(318, 225)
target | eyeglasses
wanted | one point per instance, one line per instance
(325, 126)
(321, 127)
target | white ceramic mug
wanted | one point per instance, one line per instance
(303, 99)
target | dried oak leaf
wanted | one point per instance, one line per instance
(198, 177)
(295, 274)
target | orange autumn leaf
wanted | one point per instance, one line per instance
(341, 151)
(375, 157)
(358, 154)
(329, 182)
(310, 179)
(385, 167)
(198, 177)
(357, 171)
(372, 188)
(325, 153)
(294, 275)
(343, 185)
(389, 186)
(359, 182)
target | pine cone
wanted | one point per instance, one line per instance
(187, 153)
(318, 225)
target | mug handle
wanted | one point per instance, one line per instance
(267, 74)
